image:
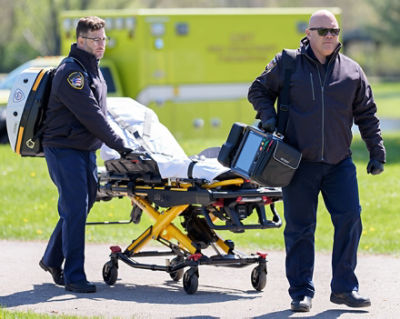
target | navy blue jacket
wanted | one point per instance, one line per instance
(76, 115)
(324, 102)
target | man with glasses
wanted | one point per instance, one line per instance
(75, 127)
(328, 91)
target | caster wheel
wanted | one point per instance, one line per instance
(190, 281)
(176, 275)
(110, 273)
(259, 277)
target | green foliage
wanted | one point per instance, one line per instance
(387, 30)
(30, 28)
(27, 36)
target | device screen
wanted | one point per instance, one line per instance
(248, 152)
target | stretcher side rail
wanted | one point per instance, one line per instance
(164, 196)
(231, 206)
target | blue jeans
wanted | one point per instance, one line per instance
(338, 185)
(74, 173)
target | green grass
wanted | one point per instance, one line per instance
(387, 97)
(29, 200)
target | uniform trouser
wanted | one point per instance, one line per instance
(338, 185)
(74, 173)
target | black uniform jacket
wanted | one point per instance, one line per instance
(324, 102)
(76, 115)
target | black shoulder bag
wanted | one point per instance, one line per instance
(260, 156)
(289, 65)
(279, 161)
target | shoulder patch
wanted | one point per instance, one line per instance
(76, 80)
(271, 65)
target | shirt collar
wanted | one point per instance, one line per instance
(305, 48)
(86, 58)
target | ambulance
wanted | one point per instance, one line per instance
(192, 66)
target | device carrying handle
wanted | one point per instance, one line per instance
(289, 65)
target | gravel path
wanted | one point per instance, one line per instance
(222, 292)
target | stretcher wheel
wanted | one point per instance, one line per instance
(176, 275)
(110, 273)
(190, 281)
(259, 277)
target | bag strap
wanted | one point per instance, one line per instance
(72, 59)
(39, 133)
(68, 59)
(289, 65)
(190, 169)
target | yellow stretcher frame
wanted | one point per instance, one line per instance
(187, 252)
(163, 227)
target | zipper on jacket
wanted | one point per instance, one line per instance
(322, 83)
(312, 86)
(323, 113)
(323, 124)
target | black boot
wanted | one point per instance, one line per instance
(81, 286)
(56, 273)
(351, 299)
(301, 305)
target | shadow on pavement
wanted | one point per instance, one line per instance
(170, 292)
(327, 314)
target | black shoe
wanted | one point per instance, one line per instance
(351, 299)
(302, 305)
(83, 287)
(56, 273)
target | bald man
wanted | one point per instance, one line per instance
(328, 92)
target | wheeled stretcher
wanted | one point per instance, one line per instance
(204, 207)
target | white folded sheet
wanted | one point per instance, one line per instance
(141, 130)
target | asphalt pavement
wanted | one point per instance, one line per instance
(222, 292)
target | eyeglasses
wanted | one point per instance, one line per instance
(97, 40)
(324, 31)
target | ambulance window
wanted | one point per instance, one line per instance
(109, 23)
(302, 26)
(109, 79)
(67, 24)
(182, 28)
(119, 23)
(158, 29)
(130, 23)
